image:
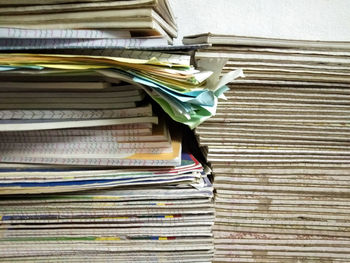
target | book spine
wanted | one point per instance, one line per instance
(74, 114)
(107, 131)
(77, 146)
(35, 43)
(67, 106)
(80, 139)
(88, 161)
(61, 33)
(85, 153)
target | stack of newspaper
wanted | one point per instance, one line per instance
(279, 150)
(52, 24)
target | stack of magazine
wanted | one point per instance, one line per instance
(279, 150)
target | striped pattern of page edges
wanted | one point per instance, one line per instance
(279, 150)
(85, 24)
(79, 126)
(92, 163)
(90, 171)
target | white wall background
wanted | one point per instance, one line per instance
(295, 19)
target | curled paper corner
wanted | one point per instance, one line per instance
(226, 78)
(206, 169)
(219, 88)
(199, 185)
(222, 96)
(214, 65)
(219, 93)
(229, 77)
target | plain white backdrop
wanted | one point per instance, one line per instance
(295, 19)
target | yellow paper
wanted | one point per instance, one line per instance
(42, 58)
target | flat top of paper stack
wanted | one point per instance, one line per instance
(219, 39)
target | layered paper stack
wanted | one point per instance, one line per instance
(85, 24)
(90, 171)
(64, 137)
(181, 90)
(151, 214)
(83, 123)
(279, 150)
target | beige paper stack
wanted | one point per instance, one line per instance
(279, 150)
(52, 24)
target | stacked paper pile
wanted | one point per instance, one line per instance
(89, 171)
(182, 91)
(279, 150)
(155, 214)
(89, 24)
(69, 136)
